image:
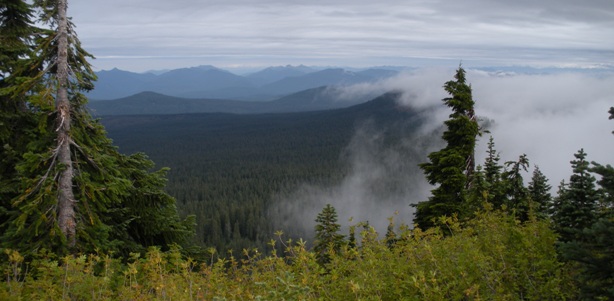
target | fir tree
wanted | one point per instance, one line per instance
(452, 167)
(67, 186)
(594, 255)
(327, 237)
(576, 204)
(606, 188)
(606, 183)
(479, 191)
(517, 195)
(493, 176)
(539, 193)
(593, 248)
(16, 42)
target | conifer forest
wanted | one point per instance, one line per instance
(190, 206)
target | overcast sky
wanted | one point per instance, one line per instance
(141, 35)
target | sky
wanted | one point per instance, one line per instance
(141, 35)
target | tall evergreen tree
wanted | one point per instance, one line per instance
(517, 195)
(71, 190)
(16, 42)
(451, 168)
(575, 206)
(327, 237)
(493, 176)
(539, 193)
(593, 253)
(479, 192)
(606, 188)
(606, 183)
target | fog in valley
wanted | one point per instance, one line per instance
(548, 117)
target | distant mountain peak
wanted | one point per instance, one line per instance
(208, 67)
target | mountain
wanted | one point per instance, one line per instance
(211, 82)
(325, 77)
(117, 83)
(377, 74)
(190, 81)
(321, 98)
(273, 74)
(154, 103)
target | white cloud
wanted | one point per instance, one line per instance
(382, 180)
(549, 117)
(349, 32)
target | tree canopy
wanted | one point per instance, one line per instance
(65, 186)
(452, 167)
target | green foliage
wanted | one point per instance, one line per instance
(606, 188)
(575, 206)
(120, 205)
(234, 171)
(451, 167)
(594, 258)
(539, 193)
(328, 241)
(517, 195)
(590, 244)
(492, 258)
(493, 176)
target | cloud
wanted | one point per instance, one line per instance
(549, 117)
(382, 180)
(355, 33)
(546, 116)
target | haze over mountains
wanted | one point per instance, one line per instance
(211, 82)
(206, 89)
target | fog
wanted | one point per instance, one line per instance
(548, 117)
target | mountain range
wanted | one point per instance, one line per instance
(209, 82)
(147, 103)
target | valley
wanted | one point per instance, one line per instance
(229, 169)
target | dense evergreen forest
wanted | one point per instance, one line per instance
(81, 219)
(227, 169)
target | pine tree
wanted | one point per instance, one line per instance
(593, 248)
(71, 190)
(576, 204)
(606, 188)
(327, 237)
(479, 191)
(493, 176)
(539, 193)
(594, 255)
(606, 183)
(452, 167)
(16, 42)
(517, 195)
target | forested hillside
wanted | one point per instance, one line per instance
(84, 217)
(227, 169)
(322, 98)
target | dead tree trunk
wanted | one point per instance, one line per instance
(66, 198)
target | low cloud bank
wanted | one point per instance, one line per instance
(549, 117)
